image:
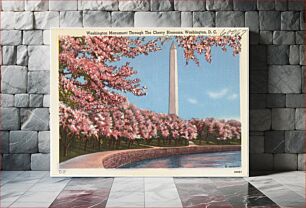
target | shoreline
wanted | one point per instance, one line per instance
(117, 158)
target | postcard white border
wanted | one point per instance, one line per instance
(243, 171)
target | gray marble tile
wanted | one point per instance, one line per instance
(50, 187)
(222, 192)
(197, 189)
(4, 181)
(19, 187)
(156, 184)
(228, 183)
(201, 195)
(33, 175)
(20, 181)
(28, 189)
(29, 177)
(48, 179)
(128, 185)
(163, 198)
(246, 195)
(10, 174)
(292, 175)
(8, 200)
(50, 184)
(126, 200)
(42, 196)
(295, 183)
(81, 198)
(161, 192)
(7, 176)
(89, 184)
(287, 198)
(11, 191)
(277, 192)
(30, 204)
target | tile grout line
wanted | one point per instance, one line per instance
(220, 192)
(273, 200)
(268, 194)
(6, 183)
(289, 187)
(24, 191)
(178, 192)
(105, 198)
(110, 191)
(144, 192)
(14, 177)
(45, 176)
(60, 191)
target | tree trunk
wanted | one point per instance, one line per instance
(113, 143)
(65, 143)
(109, 143)
(117, 143)
(67, 148)
(93, 143)
(85, 146)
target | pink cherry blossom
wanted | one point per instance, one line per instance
(91, 89)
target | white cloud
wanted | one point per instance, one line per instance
(229, 117)
(217, 94)
(192, 101)
(232, 96)
(237, 118)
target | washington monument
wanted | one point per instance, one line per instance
(173, 81)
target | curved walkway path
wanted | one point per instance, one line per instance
(117, 158)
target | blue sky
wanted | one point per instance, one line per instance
(207, 90)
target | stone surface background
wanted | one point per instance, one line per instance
(276, 68)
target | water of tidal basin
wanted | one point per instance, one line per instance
(200, 160)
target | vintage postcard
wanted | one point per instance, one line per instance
(149, 102)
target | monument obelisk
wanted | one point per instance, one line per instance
(173, 81)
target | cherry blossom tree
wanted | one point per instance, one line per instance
(88, 80)
(202, 45)
(75, 124)
(91, 89)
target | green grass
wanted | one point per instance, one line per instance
(216, 142)
(154, 142)
(78, 148)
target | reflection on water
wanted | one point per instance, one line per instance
(201, 160)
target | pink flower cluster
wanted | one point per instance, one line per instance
(133, 123)
(90, 86)
(203, 45)
(211, 128)
(76, 122)
(87, 78)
